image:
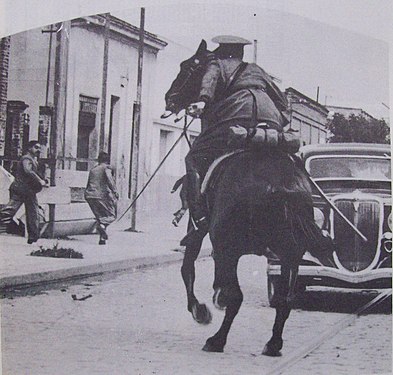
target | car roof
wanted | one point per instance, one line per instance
(372, 149)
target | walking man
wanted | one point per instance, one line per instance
(101, 195)
(23, 190)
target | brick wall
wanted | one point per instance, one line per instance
(4, 63)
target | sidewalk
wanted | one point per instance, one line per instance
(158, 244)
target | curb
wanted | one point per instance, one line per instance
(132, 265)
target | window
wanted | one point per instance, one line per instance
(165, 137)
(86, 125)
(360, 168)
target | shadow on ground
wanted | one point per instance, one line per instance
(341, 301)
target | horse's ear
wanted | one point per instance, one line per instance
(202, 47)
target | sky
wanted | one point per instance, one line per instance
(350, 69)
(340, 46)
(370, 17)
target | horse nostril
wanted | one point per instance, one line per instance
(170, 106)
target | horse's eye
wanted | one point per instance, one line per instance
(196, 61)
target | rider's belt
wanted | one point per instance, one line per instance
(260, 135)
(263, 135)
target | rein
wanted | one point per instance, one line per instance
(183, 133)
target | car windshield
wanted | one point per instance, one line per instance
(367, 168)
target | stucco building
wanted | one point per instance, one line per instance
(308, 117)
(73, 86)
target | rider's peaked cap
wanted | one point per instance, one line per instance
(230, 39)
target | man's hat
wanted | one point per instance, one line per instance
(230, 39)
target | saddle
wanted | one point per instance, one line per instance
(215, 168)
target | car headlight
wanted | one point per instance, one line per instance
(319, 217)
(390, 221)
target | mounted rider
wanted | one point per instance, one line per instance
(233, 95)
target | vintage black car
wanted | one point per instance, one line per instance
(356, 178)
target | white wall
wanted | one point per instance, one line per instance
(27, 76)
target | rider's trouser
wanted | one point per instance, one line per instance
(210, 145)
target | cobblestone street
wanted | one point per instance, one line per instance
(138, 324)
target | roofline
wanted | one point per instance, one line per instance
(351, 108)
(121, 27)
(150, 36)
(321, 107)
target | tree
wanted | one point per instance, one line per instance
(357, 128)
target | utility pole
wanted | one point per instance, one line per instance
(59, 102)
(50, 31)
(136, 123)
(104, 81)
(317, 94)
(255, 51)
(46, 112)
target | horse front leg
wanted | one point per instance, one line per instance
(283, 304)
(200, 312)
(228, 292)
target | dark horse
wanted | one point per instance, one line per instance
(260, 203)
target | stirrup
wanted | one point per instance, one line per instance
(201, 224)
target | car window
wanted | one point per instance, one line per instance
(350, 167)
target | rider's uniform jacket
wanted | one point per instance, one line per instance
(238, 102)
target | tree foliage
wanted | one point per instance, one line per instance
(357, 128)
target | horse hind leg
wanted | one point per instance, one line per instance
(283, 303)
(200, 312)
(233, 297)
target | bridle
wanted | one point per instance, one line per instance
(191, 71)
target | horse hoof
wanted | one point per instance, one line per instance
(201, 313)
(218, 300)
(213, 347)
(271, 352)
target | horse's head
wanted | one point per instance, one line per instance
(185, 88)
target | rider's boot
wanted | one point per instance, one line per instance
(198, 210)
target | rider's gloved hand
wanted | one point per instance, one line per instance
(196, 109)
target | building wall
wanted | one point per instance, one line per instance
(27, 74)
(308, 117)
(164, 135)
(310, 125)
(4, 68)
(28, 81)
(85, 78)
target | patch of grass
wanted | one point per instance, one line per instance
(57, 252)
